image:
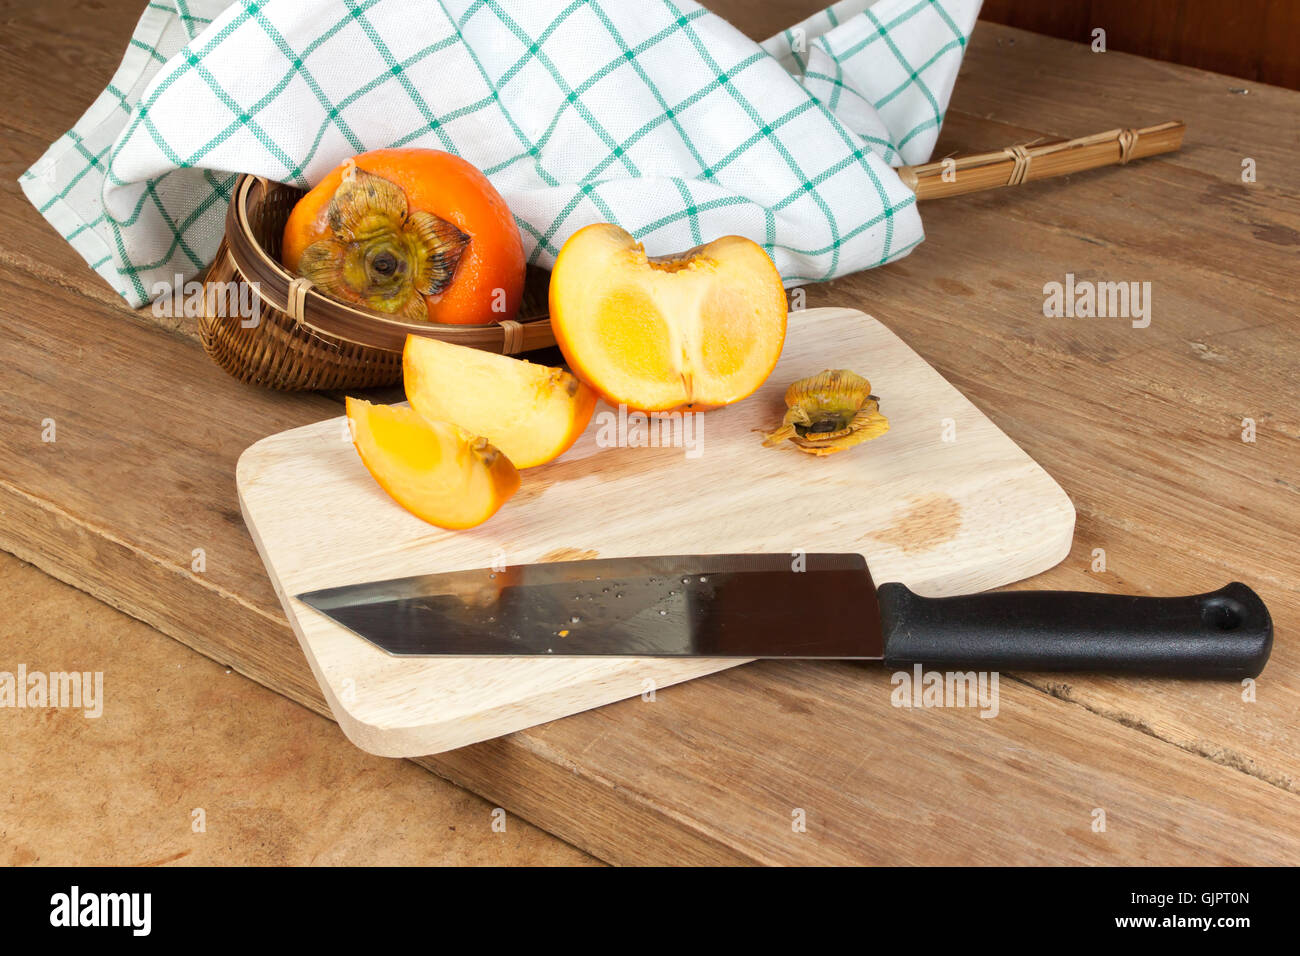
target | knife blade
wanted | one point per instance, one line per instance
(814, 606)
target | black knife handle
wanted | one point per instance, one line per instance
(1226, 633)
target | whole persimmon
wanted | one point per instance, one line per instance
(417, 234)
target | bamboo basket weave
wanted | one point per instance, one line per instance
(304, 340)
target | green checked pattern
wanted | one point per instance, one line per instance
(885, 69)
(657, 115)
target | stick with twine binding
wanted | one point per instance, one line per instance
(1027, 163)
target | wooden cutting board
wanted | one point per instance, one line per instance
(944, 502)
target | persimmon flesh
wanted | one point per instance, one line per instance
(531, 412)
(435, 470)
(700, 329)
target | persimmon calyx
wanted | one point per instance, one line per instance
(829, 412)
(379, 253)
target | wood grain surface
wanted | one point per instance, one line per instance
(1141, 427)
(1252, 39)
(208, 731)
(942, 515)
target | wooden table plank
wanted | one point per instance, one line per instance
(78, 43)
(1139, 425)
(1064, 89)
(140, 475)
(179, 732)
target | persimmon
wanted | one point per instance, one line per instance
(418, 234)
(533, 413)
(435, 470)
(696, 330)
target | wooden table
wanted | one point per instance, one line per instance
(1142, 427)
(179, 733)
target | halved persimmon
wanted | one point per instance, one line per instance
(700, 329)
(532, 413)
(418, 234)
(435, 470)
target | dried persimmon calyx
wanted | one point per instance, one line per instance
(829, 412)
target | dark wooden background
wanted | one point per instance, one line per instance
(1253, 39)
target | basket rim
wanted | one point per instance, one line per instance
(272, 283)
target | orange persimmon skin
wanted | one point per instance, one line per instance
(451, 189)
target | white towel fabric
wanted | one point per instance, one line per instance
(654, 114)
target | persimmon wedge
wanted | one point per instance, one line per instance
(532, 413)
(700, 329)
(435, 470)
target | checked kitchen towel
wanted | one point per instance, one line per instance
(654, 114)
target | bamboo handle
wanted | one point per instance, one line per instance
(1022, 164)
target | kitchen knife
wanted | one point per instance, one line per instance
(795, 606)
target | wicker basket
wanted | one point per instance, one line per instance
(303, 340)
